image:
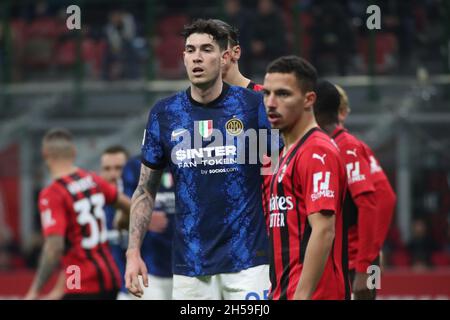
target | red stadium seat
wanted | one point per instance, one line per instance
(386, 48)
(441, 259)
(400, 258)
(172, 25)
(169, 55)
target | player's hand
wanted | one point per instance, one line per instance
(360, 289)
(159, 222)
(135, 268)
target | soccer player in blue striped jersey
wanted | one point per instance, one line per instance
(220, 241)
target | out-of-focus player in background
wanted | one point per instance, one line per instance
(360, 208)
(306, 191)
(230, 71)
(74, 225)
(112, 161)
(157, 243)
(385, 194)
(220, 243)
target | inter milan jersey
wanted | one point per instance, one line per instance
(156, 247)
(356, 162)
(309, 179)
(72, 207)
(212, 152)
(385, 195)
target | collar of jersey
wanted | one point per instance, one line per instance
(213, 103)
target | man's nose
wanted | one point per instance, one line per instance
(270, 101)
(198, 56)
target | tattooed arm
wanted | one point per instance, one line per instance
(142, 204)
(49, 261)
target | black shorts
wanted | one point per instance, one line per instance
(106, 295)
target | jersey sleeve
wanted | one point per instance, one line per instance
(320, 175)
(357, 169)
(152, 151)
(108, 189)
(130, 176)
(52, 212)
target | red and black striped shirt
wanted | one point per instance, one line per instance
(310, 178)
(72, 207)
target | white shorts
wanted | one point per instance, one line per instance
(159, 288)
(249, 284)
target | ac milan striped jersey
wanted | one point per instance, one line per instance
(309, 179)
(72, 207)
(356, 162)
(386, 198)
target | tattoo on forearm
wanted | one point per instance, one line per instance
(142, 204)
(50, 259)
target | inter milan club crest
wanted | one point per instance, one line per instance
(283, 171)
(234, 126)
(205, 128)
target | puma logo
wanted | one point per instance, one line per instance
(352, 152)
(321, 158)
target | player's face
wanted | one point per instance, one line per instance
(112, 165)
(285, 103)
(203, 59)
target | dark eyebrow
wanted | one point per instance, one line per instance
(282, 90)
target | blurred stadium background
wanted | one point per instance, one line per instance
(100, 82)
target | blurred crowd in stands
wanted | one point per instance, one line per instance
(119, 41)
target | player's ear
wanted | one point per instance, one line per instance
(236, 53)
(309, 100)
(225, 56)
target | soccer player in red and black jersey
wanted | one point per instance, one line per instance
(230, 70)
(73, 224)
(307, 239)
(384, 192)
(360, 208)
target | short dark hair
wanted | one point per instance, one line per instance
(326, 107)
(233, 33)
(116, 149)
(210, 27)
(304, 71)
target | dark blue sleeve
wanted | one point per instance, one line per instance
(152, 151)
(130, 175)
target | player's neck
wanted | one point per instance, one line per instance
(61, 169)
(297, 132)
(235, 78)
(330, 128)
(206, 94)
